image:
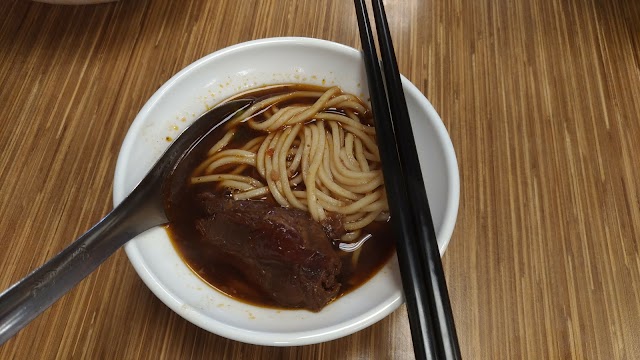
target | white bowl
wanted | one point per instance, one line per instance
(74, 2)
(216, 77)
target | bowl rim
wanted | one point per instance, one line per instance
(306, 337)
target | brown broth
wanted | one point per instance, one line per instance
(221, 271)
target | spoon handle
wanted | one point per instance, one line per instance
(29, 297)
(138, 212)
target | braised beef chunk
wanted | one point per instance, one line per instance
(333, 226)
(284, 251)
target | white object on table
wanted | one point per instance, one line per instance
(74, 2)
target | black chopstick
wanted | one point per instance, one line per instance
(413, 279)
(415, 186)
(430, 316)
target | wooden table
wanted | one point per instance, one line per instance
(542, 101)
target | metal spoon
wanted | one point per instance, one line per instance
(138, 212)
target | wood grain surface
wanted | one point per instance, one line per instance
(541, 99)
